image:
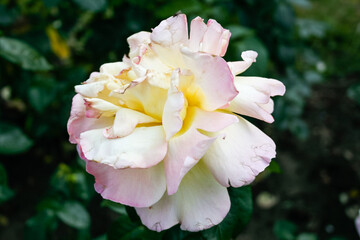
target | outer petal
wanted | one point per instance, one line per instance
(210, 38)
(144, 148)
(254, 97)
(137, 39)
(114, 68)
(216, 39)
(186, 149)
(171, 31)
(79, 123)
(199, 204)
(240, 155)
(213, 84)
(241, 66)
(132, 187)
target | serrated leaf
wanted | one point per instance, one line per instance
(13, 140)
(91, 5)
(21, 53)
(237, 218)
(75, 215)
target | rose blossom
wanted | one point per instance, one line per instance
(158, 130)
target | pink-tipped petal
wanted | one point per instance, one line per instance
(216, 39)
(254, 97)
(171, 31)
(143, 148)
(137, 39)
(185, 150)
(241, 66)
(238, 157)
(132, 187)
(78, 122)
(199, 204)
(213, 85)
(197, 30)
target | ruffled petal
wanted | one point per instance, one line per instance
(213, 83)
(132, 187)
(238, 157)
(200, 203)
(137, 39)
(78, 122)
(188, 147)
(241, 66)
(145, 147)
(113, 68)
(210, 38)
(254, 97)
(171, 31)
(125, 122)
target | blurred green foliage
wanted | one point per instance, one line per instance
(48, 46)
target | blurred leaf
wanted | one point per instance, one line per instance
(301, 3)
(238, 31)
(5, 193)
(3, 175)
(51, 3)
(313, 77)
(42, 92)
(74, 214)
(13, 140)
(252, 43)
(124, 229)
(101, 237)
(274, 167)
(7, 16)
(175, 233)
(132, 214)
(311, 28)
(237, 218)
(284, 230)
(22, 54)
(57, 43)
(36, 228)
(91, 5)
(116, 207)
(307, 236)
(353, 92)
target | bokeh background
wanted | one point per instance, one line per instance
(311, 191)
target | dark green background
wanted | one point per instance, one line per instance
(310, 191)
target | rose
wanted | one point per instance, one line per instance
(158, 130)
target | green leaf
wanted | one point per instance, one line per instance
(274, 167)
(13, 140)
(237, 218)
(91, 5)
(284, 230)
(75, 215)
(5, 193)
(116, 207)
(36, 228)
(125, 229)
(22, 54)
(353, 92)
(238, 31)
(307, 236)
